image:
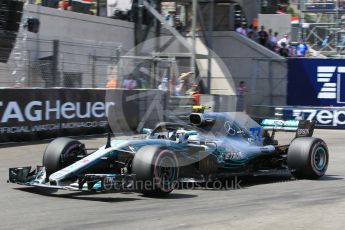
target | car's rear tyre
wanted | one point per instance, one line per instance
(156, 170)
(308, 158)
(60, 153)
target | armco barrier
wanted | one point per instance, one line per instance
(34, 114)
(325, 117)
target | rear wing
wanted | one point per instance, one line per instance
(303, 128)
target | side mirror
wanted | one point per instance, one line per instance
(147, 131)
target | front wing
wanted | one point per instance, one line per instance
(88, 182)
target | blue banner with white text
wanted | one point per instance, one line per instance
(325, 117)
(316, 82)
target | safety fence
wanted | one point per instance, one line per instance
(39, 62)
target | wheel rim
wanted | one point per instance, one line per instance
(320, 158)
(166, 172)
(70, 156)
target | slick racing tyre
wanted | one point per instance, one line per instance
(308, 158)
(156, 170)
(60, 153)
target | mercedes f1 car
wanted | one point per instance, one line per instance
(213, 146)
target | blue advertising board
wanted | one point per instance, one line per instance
(317, 6)
(316, 82)
(326, 6)
(325, 117)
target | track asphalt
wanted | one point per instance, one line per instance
(268, 202)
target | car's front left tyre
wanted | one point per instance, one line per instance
(156, 170)
(60, 153)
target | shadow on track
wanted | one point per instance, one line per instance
(172, 196)
(87, 196)
(331, 177)
(235, 183)
(97, 196)
(249, 181)
(245, 182)
(262, 180)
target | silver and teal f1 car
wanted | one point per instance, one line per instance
(212, 146)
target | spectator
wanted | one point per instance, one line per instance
(292, 50)
(242, 30)
(302, 49)
(182, 85)
(283, 50)
(242, 89)
(250, 32)
(194, 92)
(112, 78)
(270, 40)
(111, 84)
(285, 40)
(255, 36)
(172, 86)
(270, 34)
(179, 26)
(143, 78)
(250, 29)
(274, 40)
(130, 83)
(241, 93)
(61, 5)
(170, 18)
(164, 84)
(263, 36)
(70, 8)
(268, 43)
(250, 35)
(325, 42)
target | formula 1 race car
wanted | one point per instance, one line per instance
(215, 145)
